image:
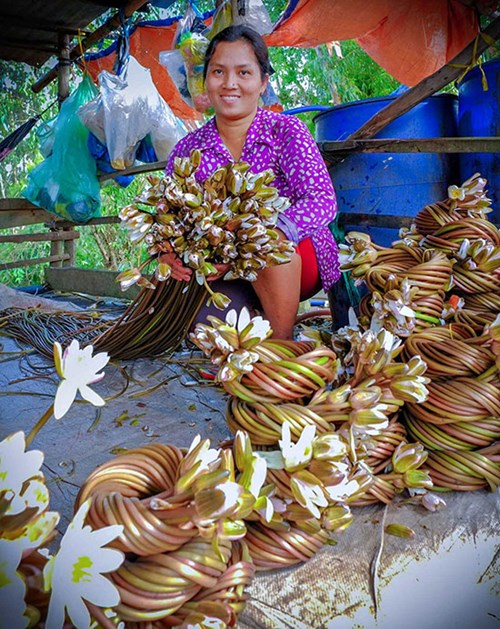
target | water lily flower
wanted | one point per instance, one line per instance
(410, 388)
(308, 492)
(337, 518)
(12, 587)
(16, 465)
(296, 455)
(456, 193)
(199, 460)
(343, 490)
(77, 368)
(75, 573)
(251, 330)
(24, 521)
(329, 446)
(219, 300)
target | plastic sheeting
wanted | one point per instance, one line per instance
(410, 39)
(146, 43)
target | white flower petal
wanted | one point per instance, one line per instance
(91, 396)
(55, 614)
(243, 319)
(232, 318)
(107, 534)
(78, 612)
(16, 465)
(100, 591)
(65, 396)
(274, 459)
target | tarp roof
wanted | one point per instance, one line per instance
(30, 28)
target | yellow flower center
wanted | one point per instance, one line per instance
(79, 573)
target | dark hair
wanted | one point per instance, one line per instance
(236, 33)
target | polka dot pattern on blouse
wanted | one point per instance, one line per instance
(284, 144)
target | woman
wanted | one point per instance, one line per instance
(236, 73)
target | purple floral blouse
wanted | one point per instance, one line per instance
(284, 144)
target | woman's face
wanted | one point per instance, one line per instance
(234, 83)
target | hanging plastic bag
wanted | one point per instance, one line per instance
(190, 22)
(173, 61)
(92, 116)
(100, 154)
(129, 107)
(193, 47)
(223, 17)
(254, 14)
(66, 183)
(46, 134)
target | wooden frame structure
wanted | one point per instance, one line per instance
(63, 235)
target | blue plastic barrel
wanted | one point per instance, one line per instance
(479, 115)
(391, 183)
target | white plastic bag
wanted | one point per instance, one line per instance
(128, 108)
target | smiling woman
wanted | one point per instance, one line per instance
(236, 73)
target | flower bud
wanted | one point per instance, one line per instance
(417, 479)
(408, 456)
(219, 300)
(400, 530)
(329, 446)
(337, 518)
(432, 502)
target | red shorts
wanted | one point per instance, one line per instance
(310, 281)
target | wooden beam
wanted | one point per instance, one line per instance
(47, 237)
(32, 262)
(388, 221)
(26, 216)
(8, 42)
(39, 25)
(428, 86)
(332, 150)
(100, 220)
(89, 41)
(133, 170)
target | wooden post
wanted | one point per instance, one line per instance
(70, 250)
(63, 68)
(56, 250)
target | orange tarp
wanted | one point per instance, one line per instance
(411, 39)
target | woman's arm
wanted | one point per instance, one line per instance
(311, 191)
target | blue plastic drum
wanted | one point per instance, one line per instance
(391, 183)
(479, 115)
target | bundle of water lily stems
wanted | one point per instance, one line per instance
(228, 219)
(439, 288)
(197, 523)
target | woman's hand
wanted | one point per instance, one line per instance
(222, 269)
(179, 271)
